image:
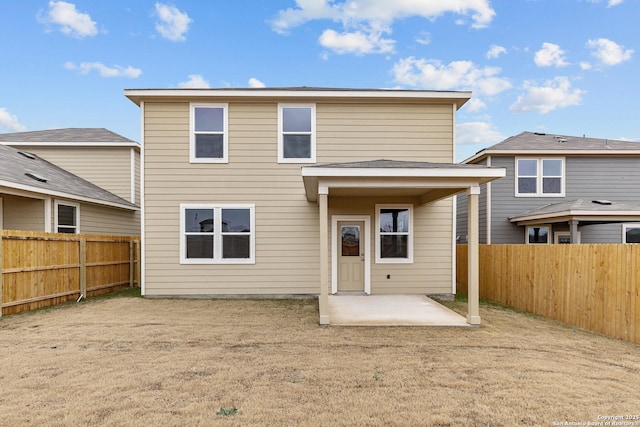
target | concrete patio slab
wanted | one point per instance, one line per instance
(390, 310)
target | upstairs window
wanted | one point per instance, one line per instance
(208, 133)
(540, 177)
(67, 217)
(296, 133)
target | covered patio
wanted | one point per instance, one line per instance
(424, 182)
(579, 212)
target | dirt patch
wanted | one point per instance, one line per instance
(133, 361)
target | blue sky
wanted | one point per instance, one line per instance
(565, 67)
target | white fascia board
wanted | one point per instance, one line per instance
(522, 153)
(136, 95)
(404, 172)
(575, 214)
(65, 195)
(72, 144)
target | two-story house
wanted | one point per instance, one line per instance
(302, 191)
(36, 195)
(98, 155)
(559, 189)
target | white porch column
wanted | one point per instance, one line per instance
(323, 301)
(473, 293)
(573, 231)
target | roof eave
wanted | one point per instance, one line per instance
(459, 98)
(572, 214)
(62, 194)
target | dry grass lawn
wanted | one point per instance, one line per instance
(133, 361)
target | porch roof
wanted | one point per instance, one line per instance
(581, 210)
(426, 181)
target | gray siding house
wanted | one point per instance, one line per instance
(558, 189)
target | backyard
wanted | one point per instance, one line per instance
(173, 362)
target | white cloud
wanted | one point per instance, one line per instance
(585, 66)
(103, 70)
(253, 82)
(10, 122)
(71, 21)
(381, 11)
(554, 94)
(173, 24)
(610, 3)
(477, 133)
(365, 21)
(424, 39)
(474, 105)
(609, 52)
(357, 42)
(196, 81)
(432, 74)
(550, 56)
(495, 51)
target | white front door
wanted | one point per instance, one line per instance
(350, 256)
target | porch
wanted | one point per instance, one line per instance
(391, 310)
(424, 183)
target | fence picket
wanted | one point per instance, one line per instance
(42, 269)
(591, 286)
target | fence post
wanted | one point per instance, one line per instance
(83, 267)
(1, 285)
(131, 264)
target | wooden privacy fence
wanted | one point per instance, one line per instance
(591, 286)
(43, 269)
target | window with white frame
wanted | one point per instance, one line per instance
(208, 133)
(538, 234)
(540, 177)
(394, 234)
(217, 234)
(630, 233)
(67, 217)
(296, 133)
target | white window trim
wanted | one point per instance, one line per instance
(217, 234)
(281, 158)
(549, 234)
(57, 203)
(409, 259)
(539, 177)
(626, 226)
(558, 234)
(192, 133)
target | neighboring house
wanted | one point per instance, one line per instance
(559, 189)
(282, 191)
(36, 195)
(98, 155)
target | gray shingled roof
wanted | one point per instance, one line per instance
(66, 135)
(15, 166)
(396, 164)
(554, 143)
(581, 206)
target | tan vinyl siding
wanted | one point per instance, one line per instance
(286, 224)
(96, 219)
(354, 132)
(106, 167)
(21, 213)
(430, 272)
